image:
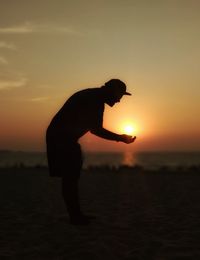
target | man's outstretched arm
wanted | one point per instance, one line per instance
(106, 134)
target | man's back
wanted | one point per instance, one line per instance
(82, 112)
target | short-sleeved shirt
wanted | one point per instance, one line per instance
(81, 113)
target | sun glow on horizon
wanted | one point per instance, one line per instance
(129, 129)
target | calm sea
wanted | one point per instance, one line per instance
(148, 160)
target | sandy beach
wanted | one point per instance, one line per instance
(140, 215)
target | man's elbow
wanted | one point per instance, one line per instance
(96, 131)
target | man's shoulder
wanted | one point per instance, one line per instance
(84, 101)
(89, 92)
(91, 95)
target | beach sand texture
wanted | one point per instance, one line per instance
(140, 215)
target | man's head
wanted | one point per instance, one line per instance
(114, 90)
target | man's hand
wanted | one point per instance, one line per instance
(128, 139)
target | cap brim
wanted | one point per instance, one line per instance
(127, 93)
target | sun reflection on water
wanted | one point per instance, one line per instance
(128, 158)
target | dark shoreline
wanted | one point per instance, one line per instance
(115, 160)
(194, 169)
(145, 215)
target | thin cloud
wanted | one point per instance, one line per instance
(19, 29)
(6, 45)
(9, 84)
(39, 99)
(28, 28)
(66, 30)
(3, 61)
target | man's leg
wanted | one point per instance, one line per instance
(70, 181)
(70, 193)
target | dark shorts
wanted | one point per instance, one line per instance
(64, 159)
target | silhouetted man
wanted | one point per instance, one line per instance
(81, 113)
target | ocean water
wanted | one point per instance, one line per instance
(149, 160)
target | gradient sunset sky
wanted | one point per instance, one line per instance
(50, 49)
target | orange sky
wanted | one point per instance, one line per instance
(49, 52)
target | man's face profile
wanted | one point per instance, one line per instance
(114, 97)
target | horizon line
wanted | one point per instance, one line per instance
(108, 151)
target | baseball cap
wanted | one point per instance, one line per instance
(118, 85)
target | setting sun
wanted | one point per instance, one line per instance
(129, 129)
